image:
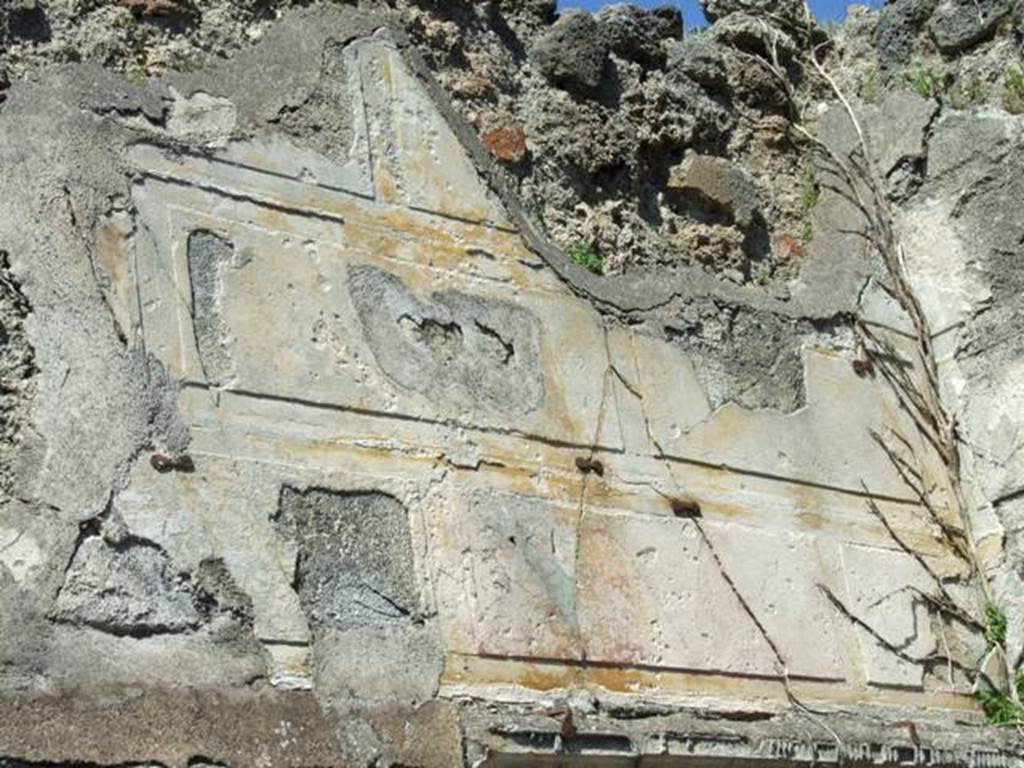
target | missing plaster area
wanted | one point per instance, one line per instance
(743, 355)
(209, 255)
(125, 585)
(452, 347)
(354, 565)
(17, 371)
(322, 120)
(442, 340)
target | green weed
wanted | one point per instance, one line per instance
(1000, 708)
(1013, 91)
(967, 91)
(927, 81)
(124, 20)
(869, 87)
(810, 192)
(186, 61)
(586, 257)
(136, 73)
(995, 625)
(763, 276)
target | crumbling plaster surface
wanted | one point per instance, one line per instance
(324, 439)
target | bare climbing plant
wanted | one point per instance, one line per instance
(913, 377)
(916, 385)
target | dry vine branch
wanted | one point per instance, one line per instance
(860, 183)
(945, 597)
(877, 636)
(922, 400)
(856, 179)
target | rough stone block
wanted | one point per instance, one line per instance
(957, 24)
(718, 186)
(573, 53)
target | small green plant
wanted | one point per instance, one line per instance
(763, 276)
(124, 19)
(136, 73)
(869, 87)
(186, 61)
(1013, 91)
(137, 68)
(995, 625)
(585, 256)
(968, 90)
(810, 191)
(999, 708)
(1006, 27)
(925, 80)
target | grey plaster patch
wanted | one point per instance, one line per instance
(744, 356)
(25, 634)
(355, 577)
(896, 129)
(208, 255)
(128, 586)
(451, 347)
(354, 566)
(16, 370)
(201, 118)
(976, 165)
(323, 119)
(124, 587)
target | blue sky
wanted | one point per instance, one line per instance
(823, 9)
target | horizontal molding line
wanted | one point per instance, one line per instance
(246, 197)
(549, 441)
(629, 666)
(276, 175)
(222, 187)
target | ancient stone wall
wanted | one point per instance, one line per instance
(318, 451)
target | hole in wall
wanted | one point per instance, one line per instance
(685, 508)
